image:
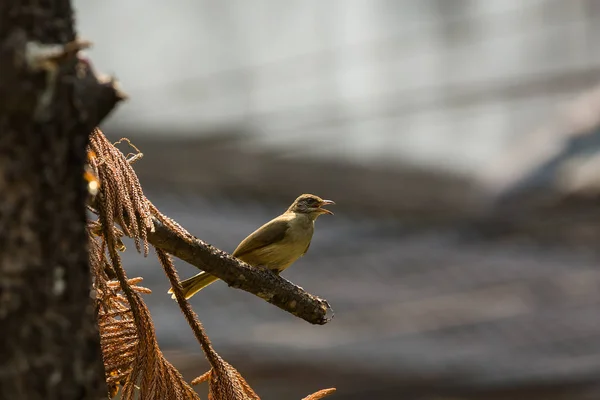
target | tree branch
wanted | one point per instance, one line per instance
(260, 282)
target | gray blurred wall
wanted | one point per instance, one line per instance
(444, 83)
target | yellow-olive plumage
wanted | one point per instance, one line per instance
(276, 244)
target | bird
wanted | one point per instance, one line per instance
(276, 245)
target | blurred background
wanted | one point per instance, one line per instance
(461, 142)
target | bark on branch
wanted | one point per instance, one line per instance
(260, 282)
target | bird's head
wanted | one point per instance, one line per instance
(311, 205)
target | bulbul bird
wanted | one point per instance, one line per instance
(275, 245)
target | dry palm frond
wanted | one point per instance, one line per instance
(225, 382)
(131, 354)
(132, 358)
(320, 394)
(121, 191)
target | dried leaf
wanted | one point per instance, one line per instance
(320, 394)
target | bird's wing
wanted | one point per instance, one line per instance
(270, 233)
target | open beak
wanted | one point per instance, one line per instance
(326, 203)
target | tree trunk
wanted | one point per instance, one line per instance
(49, 103)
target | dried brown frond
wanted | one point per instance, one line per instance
(224, 381)
(132, 358)
(131, 355)
(121, 190)
(131, 157)
(320, 394)
(202, 378)
(133, 361)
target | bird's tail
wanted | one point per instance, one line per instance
(193, 285)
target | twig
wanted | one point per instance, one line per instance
(260, 282)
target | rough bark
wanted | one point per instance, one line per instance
(49, 103)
